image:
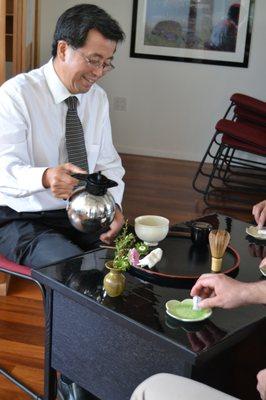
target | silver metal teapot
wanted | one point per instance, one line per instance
(91, 208)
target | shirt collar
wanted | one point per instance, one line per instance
(57, 88)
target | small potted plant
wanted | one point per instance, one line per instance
(127, 253)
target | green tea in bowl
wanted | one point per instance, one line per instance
(183, 311)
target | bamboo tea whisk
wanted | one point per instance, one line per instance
(219, 240)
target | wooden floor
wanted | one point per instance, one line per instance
(153, 186)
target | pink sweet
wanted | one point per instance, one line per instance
(133, 257)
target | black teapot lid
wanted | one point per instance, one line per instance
(96, 183)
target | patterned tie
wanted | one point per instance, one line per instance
(75, 142)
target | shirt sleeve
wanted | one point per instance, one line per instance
(109, 161)
(19, 176)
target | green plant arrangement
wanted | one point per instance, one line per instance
(127, 250)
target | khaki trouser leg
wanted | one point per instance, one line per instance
(174, 387)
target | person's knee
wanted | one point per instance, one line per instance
(169, 386)
(154, 387)
(50, 250)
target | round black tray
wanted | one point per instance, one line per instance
(183, 260)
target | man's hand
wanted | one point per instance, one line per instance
(60, 181)
(259, 212)
(261, 386)
(115, 227)
(221, 291)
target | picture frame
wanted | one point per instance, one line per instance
(199, 31)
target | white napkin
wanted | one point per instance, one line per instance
(152, 258)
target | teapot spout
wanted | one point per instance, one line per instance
(111, 183)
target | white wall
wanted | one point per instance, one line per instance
(172, 107)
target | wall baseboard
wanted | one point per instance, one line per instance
(176, 156)
(157, 153)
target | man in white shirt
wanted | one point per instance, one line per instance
(36, 175)
(35, 178)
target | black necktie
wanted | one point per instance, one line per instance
(75, 142)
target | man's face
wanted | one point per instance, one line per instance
(75, 70)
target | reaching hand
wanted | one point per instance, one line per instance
(115, 227)
(261, 386)
(220, 291)
(259, 212)
(60, 181)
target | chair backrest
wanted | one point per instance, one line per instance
(249, 103)
(247, 116)
(238, 145)
(246, 133)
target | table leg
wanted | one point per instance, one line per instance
(50, 389)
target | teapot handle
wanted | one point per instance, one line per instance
(80, 177)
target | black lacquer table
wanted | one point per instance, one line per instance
(109, 345)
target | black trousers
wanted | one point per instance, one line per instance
(41, 238)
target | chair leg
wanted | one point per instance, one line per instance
(229, 109)
(213, 172)
(4, 283)
(19, 384)
(200, 170)
(50, 375)
(225, 168)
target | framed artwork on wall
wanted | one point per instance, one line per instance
(199, 31)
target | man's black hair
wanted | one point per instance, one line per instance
(233, 12)
(75, 23)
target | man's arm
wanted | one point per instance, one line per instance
(225, 292)
(18, 178)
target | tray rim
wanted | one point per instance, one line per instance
(230, 248)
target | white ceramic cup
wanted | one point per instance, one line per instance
(151, 228)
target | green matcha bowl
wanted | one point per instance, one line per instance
(183, 311)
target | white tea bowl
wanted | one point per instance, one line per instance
(151, 228)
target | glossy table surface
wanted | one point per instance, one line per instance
(143, 301)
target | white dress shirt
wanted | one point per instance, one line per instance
(32, 138)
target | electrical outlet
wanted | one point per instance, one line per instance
(120, 104)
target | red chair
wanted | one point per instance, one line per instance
(236, 151)
(24, 272)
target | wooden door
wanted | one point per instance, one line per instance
(19, 37)
(3, 277)
(25, 39)
(2, 41)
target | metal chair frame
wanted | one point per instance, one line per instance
(227, 167)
